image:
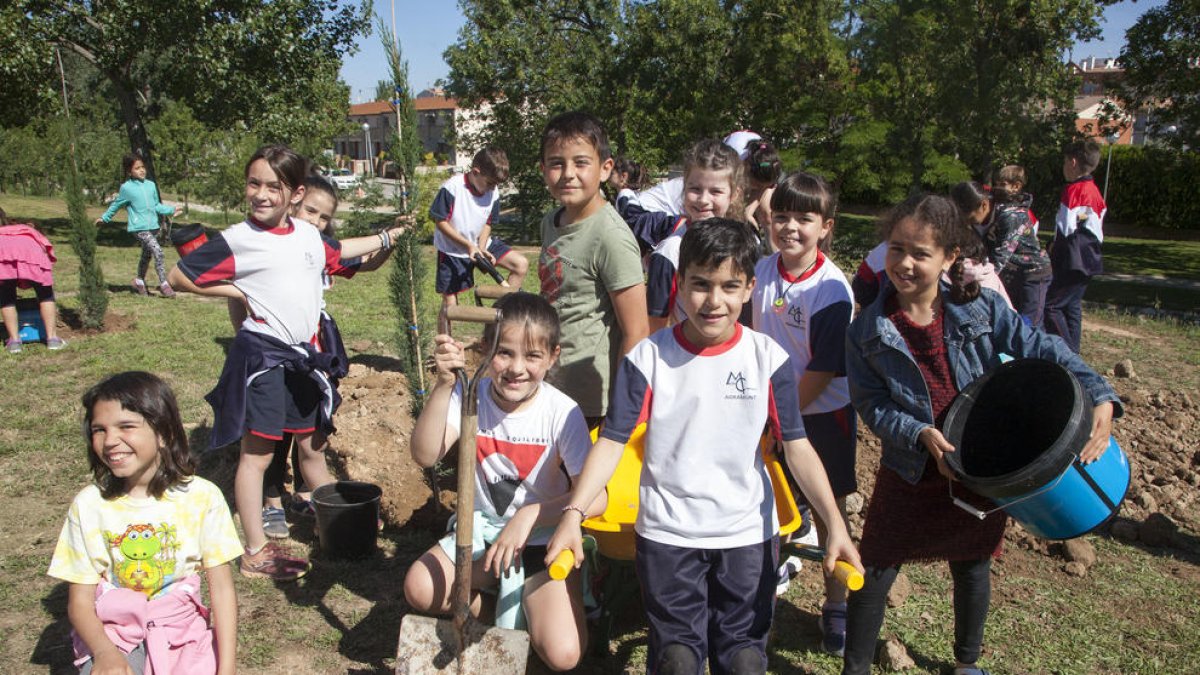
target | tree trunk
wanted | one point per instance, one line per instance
(139, 140)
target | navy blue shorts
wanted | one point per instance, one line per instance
(455, 275)
(282, 401)
(834, 435)
(715, 602)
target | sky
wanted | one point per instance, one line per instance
(427, 27)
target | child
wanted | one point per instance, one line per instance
(907, 355)
(712, 176)
(869, 276)
(26, 261)
(135, 540)
(974, 201)
(1075, 249)
(532, 441)
(706, 525)
(803, 301)
(465, 209)
(667, 196)
(275, 379)
(1014, 248)
(589, 267)
(139, 198)
(762, 172)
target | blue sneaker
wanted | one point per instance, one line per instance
(833, 628)
(275, 523)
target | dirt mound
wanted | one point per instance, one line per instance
(371, 443)
(1160, 435)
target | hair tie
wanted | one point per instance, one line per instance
(766, 165)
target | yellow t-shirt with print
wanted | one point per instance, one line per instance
(145, 544)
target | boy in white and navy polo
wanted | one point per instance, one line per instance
(707, 537)
(465, 209)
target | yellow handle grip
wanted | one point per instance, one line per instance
(845, 573)
(563, 563)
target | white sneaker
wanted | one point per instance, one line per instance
(787, 571)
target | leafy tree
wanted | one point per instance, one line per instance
(1162, 69)
(531, 60)
(182, 142)
(219, 58)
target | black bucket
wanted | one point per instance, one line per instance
(188, 238)
(1018, 431)
(1017, 427)
(347, 518)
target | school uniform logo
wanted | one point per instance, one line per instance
(509, 463)
(737, 386)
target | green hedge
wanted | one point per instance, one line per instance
(1152, 187)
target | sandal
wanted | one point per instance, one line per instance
(13, 346)
(273, 563)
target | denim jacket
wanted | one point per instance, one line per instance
(890, 394)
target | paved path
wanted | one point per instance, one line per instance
(1153, 280)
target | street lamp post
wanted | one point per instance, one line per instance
(1112, 140)
(367, 155)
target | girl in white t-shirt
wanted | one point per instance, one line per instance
(136, 539)
(531, 445)
(804, 302)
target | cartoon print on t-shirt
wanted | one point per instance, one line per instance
(550, 272)
(511, 463)
(149, 556)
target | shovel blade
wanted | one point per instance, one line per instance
(429, 645)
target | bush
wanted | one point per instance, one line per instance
(1150, 186)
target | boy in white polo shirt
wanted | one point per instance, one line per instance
(465, 208)
(707, 534)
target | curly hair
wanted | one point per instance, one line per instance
(950, 231)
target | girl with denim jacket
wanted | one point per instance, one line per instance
(907, 355)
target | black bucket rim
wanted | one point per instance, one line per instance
(353, 484)
(1032, 475)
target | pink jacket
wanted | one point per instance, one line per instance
(173, 626)
(26, 255)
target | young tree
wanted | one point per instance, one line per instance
(1162, 70)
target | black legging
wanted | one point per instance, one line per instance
(8, 292)
(273, 479)
(972, 595)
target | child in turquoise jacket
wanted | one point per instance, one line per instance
(139, 198)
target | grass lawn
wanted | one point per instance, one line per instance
(1136, 610)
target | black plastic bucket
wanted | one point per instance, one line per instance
(188, 238)
(1017, 427)
(347, 518)
(1018, 431)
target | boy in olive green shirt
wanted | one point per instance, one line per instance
(590, 267)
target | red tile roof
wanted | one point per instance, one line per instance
(423, 103)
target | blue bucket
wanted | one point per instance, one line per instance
(32, 329)
(1018, 431)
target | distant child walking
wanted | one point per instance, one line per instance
(139, 197)
(706, 526)
(136, 539)
(276, 379)
(1075, 250)
(590, 267)
(712, 179)
(532, 441)
(907, 355)
(1014, 248)
(803, 301)
(465, 209)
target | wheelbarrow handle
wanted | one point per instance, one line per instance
(563, 563)
(842, 570)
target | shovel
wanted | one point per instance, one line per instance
(462, 644)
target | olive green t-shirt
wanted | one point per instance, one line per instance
(581, 264)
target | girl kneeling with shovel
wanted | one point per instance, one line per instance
(531, 444)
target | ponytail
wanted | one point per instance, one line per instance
(961, 290)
